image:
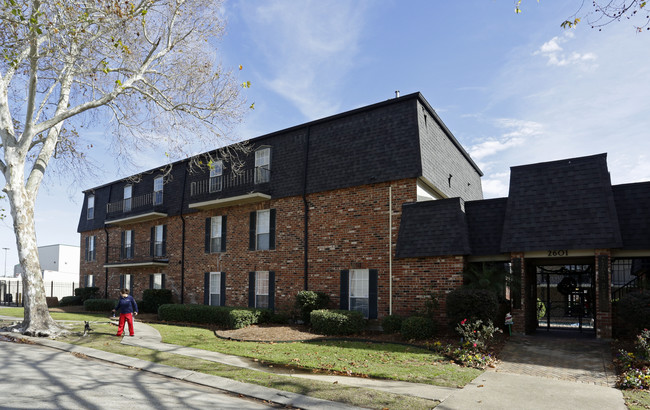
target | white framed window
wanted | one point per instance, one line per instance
(359, 290)
(91, 207)
(262, 289)
(90, 281)
(263, 229)
(126, 281)
(157, 281)
(158, 191)
(90, 248)
(215, 289)
(215, 234)
(128, 244)
(159, 240)
(215, 176)
(263, 165)
(128, 192)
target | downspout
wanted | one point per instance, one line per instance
(110, 191)
(183, 238)
(390, 249)
(306, 213)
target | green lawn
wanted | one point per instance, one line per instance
(637, 399)
(91, 317)
(375, 360)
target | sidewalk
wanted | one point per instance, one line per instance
(526, 378)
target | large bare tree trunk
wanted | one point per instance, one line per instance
(37, 320)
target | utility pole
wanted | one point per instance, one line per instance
(6, 249)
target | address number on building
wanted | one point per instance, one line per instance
(561, 252)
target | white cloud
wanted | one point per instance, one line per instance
(308, 49)
(556, 56)
(514, 133)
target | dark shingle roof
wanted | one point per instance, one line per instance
(485, 223)
(567, 204)
(633, 209)
(432, 228)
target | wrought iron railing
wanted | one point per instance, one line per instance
(138, 252)
(130, 204)
(631, 286)
(240, 181)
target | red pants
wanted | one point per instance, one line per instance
(125, 317)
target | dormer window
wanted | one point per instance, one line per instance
(158, 191)
(215, 176)
(128, 192)
(91, 207)
(263, 165)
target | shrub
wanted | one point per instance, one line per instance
(71, 301)
(87, 293)
(392, 323)
(280, 318)
(230, 317)
(153, 298)
(337, 322)
(471, 304)
(308, 301)
(99, 305)
(418, 328)
(633, 313)
(477, 334)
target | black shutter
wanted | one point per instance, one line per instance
(345, 284)
(223, 289)
(133, 248)
(162, 281)
(153, 241)
(164, 240)
(121, 282)
(223, 234)
(372, 293)
(122, 246)
(86, 249)
(208, 230)
(251, 289)
(272, 229)
(206, 288)
(151, 281)
(251, 232)
(272, 290)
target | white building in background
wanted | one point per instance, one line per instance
(59, 263)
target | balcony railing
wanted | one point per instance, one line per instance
(130, 204)
(138, 253)
(231, 184)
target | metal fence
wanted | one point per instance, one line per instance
(11, 290)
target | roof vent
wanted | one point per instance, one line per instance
(396, 93)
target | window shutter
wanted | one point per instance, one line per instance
(223, 234)
(251, 289)
(164, 244)
(251, 235)
(151, 281)
(206, 288)
(372, 293)
(121, 282)
(133, 248)
(122, 246)
(345, 284)
(153, 241)
(162, 281)
(87, 250)
(223, 289)
(272, 290)
(272, 229)
(208, 230)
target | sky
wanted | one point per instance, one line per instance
(514, 89)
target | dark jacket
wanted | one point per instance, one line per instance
(126, 305)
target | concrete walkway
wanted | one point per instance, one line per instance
(535, 373)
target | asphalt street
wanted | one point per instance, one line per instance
(33, 376)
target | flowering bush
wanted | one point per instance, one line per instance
(642, 344)
(635, 365)
(635, 379)
(477, 334)
(465, 355)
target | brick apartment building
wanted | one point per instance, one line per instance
(378, 207)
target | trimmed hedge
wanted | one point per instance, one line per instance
(87, 293)
(471, 304)
(632, 313)
(99, 305)
(392, 323)
(337, 322)
(71, 301)
(308, 301)
(418, 328)
(230, 317)
(152, 299)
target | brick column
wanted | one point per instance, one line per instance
(603, 293)
(517, 298)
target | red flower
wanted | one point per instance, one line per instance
(463, 322)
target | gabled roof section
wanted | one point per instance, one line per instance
(633, 209)
(485, 224)
(566, 204)
(432, 228)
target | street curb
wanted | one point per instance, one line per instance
(221, 383)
